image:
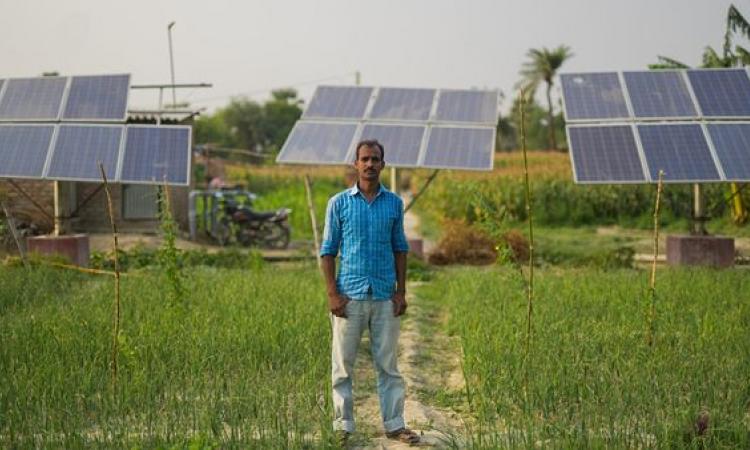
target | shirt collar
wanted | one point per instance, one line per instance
(354, 190)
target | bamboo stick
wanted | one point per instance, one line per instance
(652, 281)
(116, 331)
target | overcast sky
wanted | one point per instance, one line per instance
(249, 47)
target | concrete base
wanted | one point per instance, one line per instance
(74, 247)
(691, 250)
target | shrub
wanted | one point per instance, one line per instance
(463, 244)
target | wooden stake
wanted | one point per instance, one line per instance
(652, 281)
(12, 226)
(116, 331)
(313, 218)
(530, 285)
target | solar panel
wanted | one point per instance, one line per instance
(467, 106)
(33, 98)
(732, 144)
(403, 104)
(659, 94)
(401, 143)
(721, 92)
(100, 97)
(79, 149)
(339, 102)
(605, 154)
(154, 154)
(23, 150)
(680, 150)
(593, 96)
(460, 148)
(318, 143)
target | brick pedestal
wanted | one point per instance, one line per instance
(690, 250)
(74, 247)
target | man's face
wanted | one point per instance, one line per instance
(369, 163)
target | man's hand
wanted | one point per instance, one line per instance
(337, 304)
(399, 303)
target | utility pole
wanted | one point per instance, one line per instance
(171, 63)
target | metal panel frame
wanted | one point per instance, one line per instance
(703, 115)
(36, 120)
(438, 95)
(95, 120)
(2, 88)
(189, 158)
(711, 144)
(476, 126)
(623, 90)
(368, 106)
(638, 147)
(52, 149)
(688, 181)
(52, 140)
(683, 76)
(357, 132)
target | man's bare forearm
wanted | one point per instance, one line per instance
(400, 272)
(329, 273)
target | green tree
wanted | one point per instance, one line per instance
(542, 66)
(733, 54)
(279, 116)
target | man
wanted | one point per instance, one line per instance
(366, 223)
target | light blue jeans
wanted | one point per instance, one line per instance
(377, 317)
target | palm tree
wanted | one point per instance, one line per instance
(542, 66)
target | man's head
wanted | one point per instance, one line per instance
(369, 159)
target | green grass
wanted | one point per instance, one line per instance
(244, 361)
(592, 381)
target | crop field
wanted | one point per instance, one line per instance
(244, 360)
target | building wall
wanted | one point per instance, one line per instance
(93, 216)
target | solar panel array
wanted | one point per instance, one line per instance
(625, 127)
(130, 153)
(98, 98)
(418, 127)
(62, 128)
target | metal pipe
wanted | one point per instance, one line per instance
(172, 85)
(171, 62)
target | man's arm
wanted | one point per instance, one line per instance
(400, 250)
(336, 303)
(399, 297)
(328, 251)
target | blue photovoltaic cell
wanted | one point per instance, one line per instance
(593, 96)
(732, 144)
(80, 148)
(102, 97)
(467, 106)
(460, 148)
(342, 102)
(32, 98)
(659, 94)
(155, 153)
(403, 104)
(318, 143)
(721, 92)
(680, 150)
(401, 143)
(23, 150)
(605, 154)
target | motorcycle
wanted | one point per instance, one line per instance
(269, 229)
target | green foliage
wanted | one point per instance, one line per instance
(168, 255)
(591, 381)
(245, 365)
(141, 258)
(247, 124)
(283, 191)
(537, 127)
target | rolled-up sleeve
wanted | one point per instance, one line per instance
(332, 231)
(398, 238)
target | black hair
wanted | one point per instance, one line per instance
(372, 143)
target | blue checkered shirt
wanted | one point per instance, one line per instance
(368, 235)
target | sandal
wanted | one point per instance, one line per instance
(404, 435)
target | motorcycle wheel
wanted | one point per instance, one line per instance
(223, 232)
(276, 235)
